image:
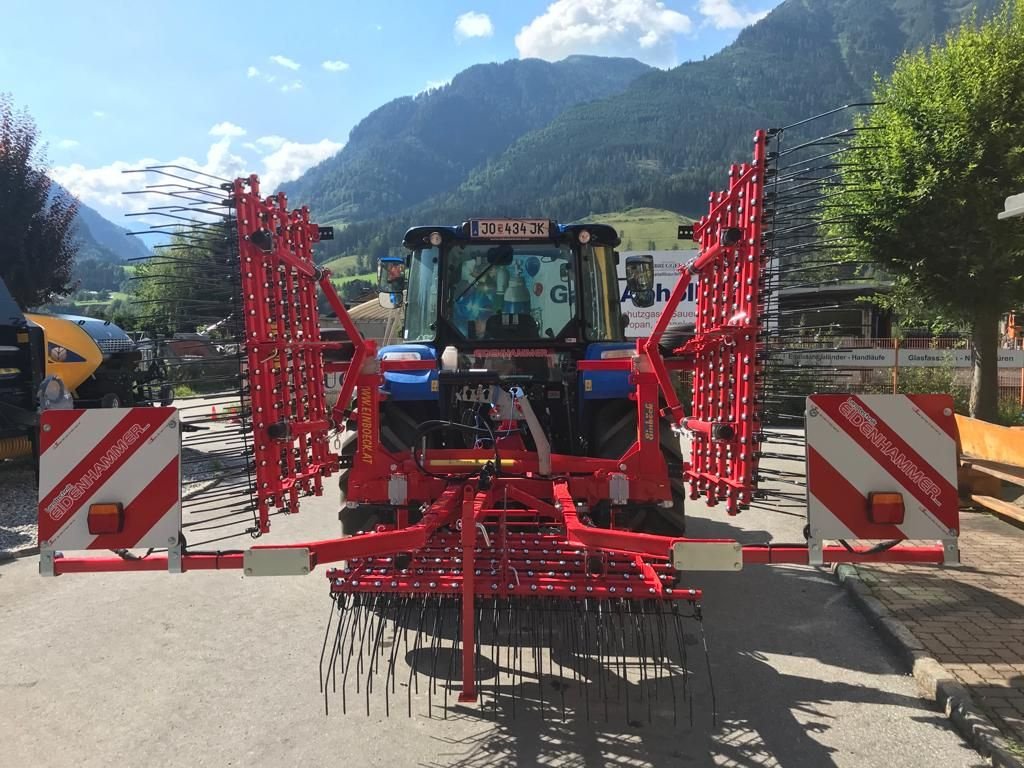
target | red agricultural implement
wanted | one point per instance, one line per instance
(512, 482)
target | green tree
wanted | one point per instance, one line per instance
(190, 283)
(929, 173)
(37, 247)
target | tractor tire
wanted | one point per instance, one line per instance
(674, 517)
(615, 431)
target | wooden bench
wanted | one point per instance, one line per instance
(990, 456)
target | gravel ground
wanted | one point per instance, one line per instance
(17, 505)
(18, 495)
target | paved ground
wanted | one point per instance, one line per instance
(971, 619)
(212, 669)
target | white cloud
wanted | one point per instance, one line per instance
(294, 85)
(265, 143)
(67, 144)
(100, 114)
(335, 66)
(252, 72)
(104, 186)
(473, 24)
(723, 14)
(227, 129)
(278, 160)
(285, 62)
(644, 29)
(292, 158)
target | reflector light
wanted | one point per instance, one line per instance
(613, 354)
(105, 518)
(885, 508)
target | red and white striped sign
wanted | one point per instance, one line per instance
(130, 456)
(858, 445)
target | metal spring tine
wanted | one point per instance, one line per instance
(354, 630)
(519, 654)
(495, 653)
(538, 660)
(562, 681)
(414, 678)
(601, 636)
(667, 661)
(374, 661)
(579, 651)
(331, 663)
(624, 648)
(707, 658)
(449, 684)
(345, 626)
(509, 653)
(335, 604)
(434, 640)
(639, 628)
(401, 620)
(681, 648)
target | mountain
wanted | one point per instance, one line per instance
(414, 147)
(102, 239)
(666, 139)
(99, 238)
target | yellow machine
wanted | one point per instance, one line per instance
(71, 354)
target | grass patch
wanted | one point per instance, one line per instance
(340, 264)
(639, 227)
(370, 276)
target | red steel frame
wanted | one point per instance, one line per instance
(469, 541)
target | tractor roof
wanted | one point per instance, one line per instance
(600, 234)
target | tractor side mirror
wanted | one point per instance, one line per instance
(390, 281)
(640, 279)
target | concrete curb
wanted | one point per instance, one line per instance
(937, 682)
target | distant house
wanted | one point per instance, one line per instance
(373, 321)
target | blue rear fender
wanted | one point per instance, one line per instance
(410, 385)
(606, 385)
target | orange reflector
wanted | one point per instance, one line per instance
(105, 518)
(885, 508)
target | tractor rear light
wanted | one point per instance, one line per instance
(886, 508)
(401, 356)
(105, 518)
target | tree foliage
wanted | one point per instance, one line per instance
(931, 168)
(189, 283)
(37, 247)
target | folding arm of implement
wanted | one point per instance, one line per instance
(880, 469)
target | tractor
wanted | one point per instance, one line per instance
(517, 304)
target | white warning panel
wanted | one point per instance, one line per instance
(865, 448)
(109, 478)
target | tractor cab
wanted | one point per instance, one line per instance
(489, 282)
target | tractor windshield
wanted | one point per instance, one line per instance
(510, 291)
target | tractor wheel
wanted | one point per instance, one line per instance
(674, 517)
(615, 431)
(367, 516)
(363, 518)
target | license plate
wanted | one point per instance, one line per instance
(511, 229)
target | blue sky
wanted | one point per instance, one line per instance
(273, 88)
